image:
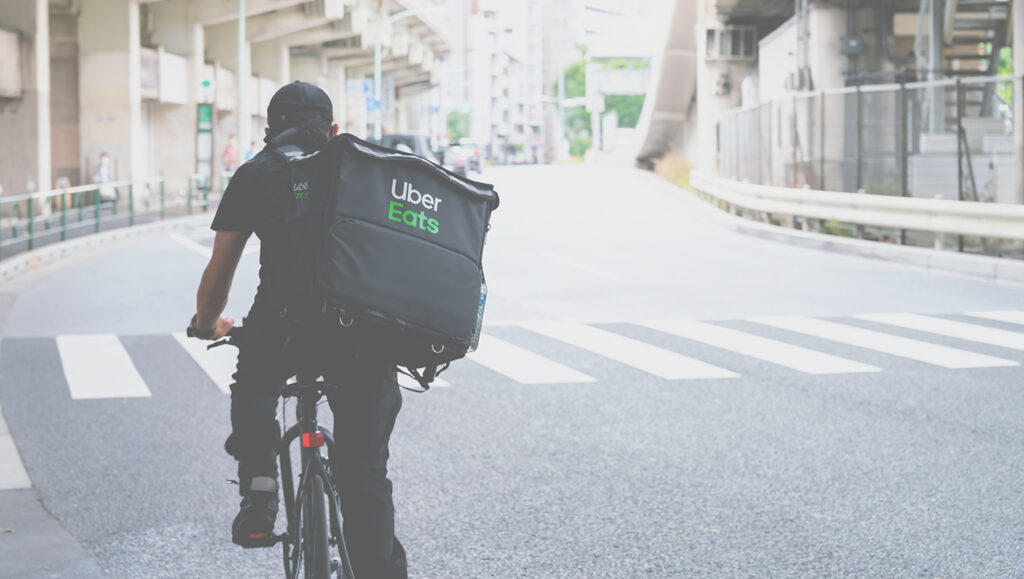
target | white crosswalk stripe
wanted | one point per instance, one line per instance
(639, 355)
(894, 345)
(98, 366)
(773, 351)
(522, 365)
(218, 363)
(1008, 316)
(951, 328)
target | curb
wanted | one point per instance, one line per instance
(983, 266)
(23, 262)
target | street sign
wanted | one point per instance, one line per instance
(204, 118)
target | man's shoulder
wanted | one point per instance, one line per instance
(256, 170)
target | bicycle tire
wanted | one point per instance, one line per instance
(316, 538)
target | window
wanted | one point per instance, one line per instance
(732, 43)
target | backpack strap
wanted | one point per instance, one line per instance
(420, 378)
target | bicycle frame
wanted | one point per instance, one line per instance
(308, 394)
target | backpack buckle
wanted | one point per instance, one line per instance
(342, 322)
(433, 348)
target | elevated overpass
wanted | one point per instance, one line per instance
(129, 77)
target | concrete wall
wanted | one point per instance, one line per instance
(26, 120)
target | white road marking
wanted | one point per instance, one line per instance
(208, 251)
(781, 353)
(881, 342)
(98, 366)
(1008, 316)
(640, 355)
(953, 329)
(577, 265)
(218, 363)
(522, 365)
(12, 471)
(408, 382)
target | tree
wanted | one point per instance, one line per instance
(458, 125)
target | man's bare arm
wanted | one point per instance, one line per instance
(212, 297)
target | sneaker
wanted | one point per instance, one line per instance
(254, 525)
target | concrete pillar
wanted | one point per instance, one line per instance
(1018, 100)
(336, 90)
(272, 60)
(310, 67)
(174, 126)
(25, 122)
(111, 117)
(222, 46)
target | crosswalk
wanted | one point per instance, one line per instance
(98, 366)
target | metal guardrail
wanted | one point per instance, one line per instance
(47, 216)
(941, 216)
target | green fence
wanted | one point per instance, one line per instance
(30, 220)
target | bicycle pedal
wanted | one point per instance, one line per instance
(260, 540)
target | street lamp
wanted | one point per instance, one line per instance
(379, 115)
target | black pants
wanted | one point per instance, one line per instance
(364, 416)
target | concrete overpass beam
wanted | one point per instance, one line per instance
(213, 12)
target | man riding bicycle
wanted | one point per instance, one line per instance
(275, 346)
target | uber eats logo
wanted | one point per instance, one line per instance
(397, 210)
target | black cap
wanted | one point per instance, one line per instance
(297, 102)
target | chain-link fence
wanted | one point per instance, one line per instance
(948, 139)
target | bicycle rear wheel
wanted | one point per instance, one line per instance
(316, 552)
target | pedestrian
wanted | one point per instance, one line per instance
(229, 157)
(253, 150)
(273, 348)
(103, 175)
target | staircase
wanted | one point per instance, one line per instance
(975, 32)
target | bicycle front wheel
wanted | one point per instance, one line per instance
(316, 551)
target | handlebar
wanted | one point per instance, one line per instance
(227, 340)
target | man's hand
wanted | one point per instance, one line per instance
(223, 326)
(220, 329)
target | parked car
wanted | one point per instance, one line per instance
(417, 144)
(456, 160)
(474, 153)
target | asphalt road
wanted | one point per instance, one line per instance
(600, 432)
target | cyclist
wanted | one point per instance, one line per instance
(274, 348)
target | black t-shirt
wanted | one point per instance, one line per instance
(254, 202)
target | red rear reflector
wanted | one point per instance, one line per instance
(314, 439)
(258, 536)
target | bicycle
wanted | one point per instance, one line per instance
(312, 509)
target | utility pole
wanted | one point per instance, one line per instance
(1017, 11)
(242, 82)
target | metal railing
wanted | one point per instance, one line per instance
(951, 138)
(948, 139)
(940, 220)
(30, 220)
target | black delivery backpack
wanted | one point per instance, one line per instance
(398, 246)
